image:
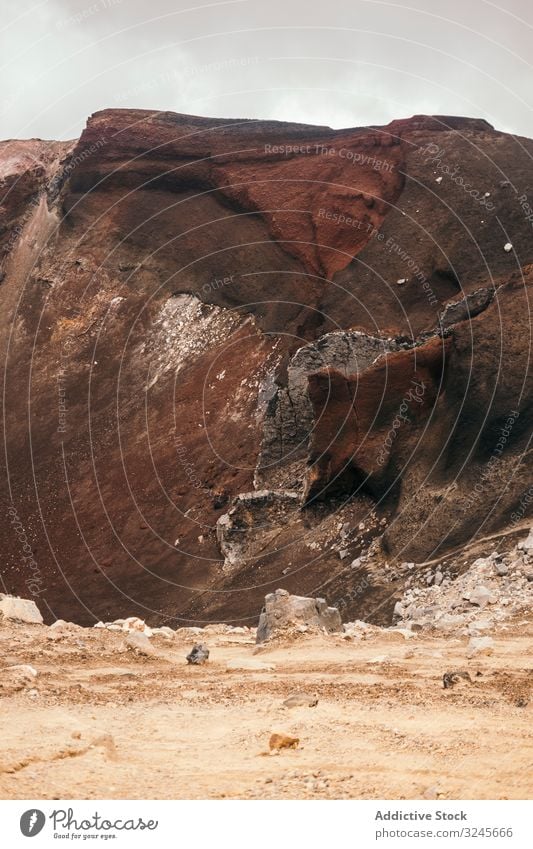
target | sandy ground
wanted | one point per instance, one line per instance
(102, 722)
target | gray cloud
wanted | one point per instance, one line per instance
(342, 63)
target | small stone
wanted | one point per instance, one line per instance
(405, 633)
(481, 596)
(24, 669)
(140, 644)
(133, 623)
(20, 609)
(199, 654)
(61, 629)
(17, 678)
(449, 622)
(300, 700)
(398, 609)
(480, 645)
(439, 577)
(431, 793)
(164, 631)
(282, 741)
(527, 544)
(450, 679)
(501, 569)
(507, 247)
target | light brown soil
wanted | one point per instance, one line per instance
(106, 723)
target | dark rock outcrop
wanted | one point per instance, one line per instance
(289, 418)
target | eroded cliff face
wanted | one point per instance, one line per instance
(241, 355)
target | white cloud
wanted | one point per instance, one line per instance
(344, 63)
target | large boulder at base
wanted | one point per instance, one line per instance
(20, 609)
(282, 609)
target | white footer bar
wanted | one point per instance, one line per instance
(267, 824)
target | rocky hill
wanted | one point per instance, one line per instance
(245, 355)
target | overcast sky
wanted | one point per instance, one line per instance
(339, 62)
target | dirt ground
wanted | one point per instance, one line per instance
(100, 721)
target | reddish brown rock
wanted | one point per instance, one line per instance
(366, 424)
(160, 275)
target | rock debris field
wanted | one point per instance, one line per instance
(416, 710)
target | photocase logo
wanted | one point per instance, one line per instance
(32, 822)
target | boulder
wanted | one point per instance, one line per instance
(398, 610)
(450, 622)
(133, 623)
(198, 654)
(481, 596)
(283, 609)
(459, 676)
(60, 630)
(140, 644)
(283, 741)
(164, 631)
(300, 700)
(15, 678)
(527, 544)
(398, 633)
(480, 645)
(20, 609)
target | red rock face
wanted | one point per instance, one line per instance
(300, 183)
(158, 277)
(304, 189)
(368, 424)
